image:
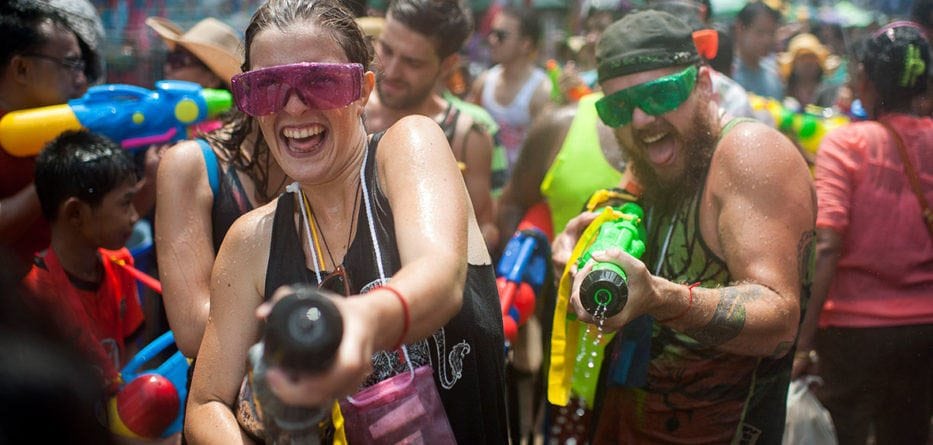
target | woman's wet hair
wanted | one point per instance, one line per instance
(328, 14)
(896, 60)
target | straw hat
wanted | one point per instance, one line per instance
(371, 26)
(210, 40)
(806, 43)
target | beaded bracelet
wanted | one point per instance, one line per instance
(407, 321)
(689, 305)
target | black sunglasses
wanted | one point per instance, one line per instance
(75, 64)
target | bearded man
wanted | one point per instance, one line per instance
(730, 212)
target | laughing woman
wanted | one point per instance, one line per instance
(389, 212)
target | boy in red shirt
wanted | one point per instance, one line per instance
(86, 184)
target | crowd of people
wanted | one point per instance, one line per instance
(365, 156)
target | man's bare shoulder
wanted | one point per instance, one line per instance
(755, 149)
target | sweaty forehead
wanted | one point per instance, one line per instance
(299, 42)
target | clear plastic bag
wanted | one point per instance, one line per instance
(404, 409)
(807, 421)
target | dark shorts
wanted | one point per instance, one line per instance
(881, 377)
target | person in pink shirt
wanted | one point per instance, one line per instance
(870, 317)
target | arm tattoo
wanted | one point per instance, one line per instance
(728, 318)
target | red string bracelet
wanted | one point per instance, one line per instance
(689, 305)
(407, 322)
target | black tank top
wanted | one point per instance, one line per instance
(467, 354)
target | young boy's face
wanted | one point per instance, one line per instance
(110, 224)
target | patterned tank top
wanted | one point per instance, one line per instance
(694, 390)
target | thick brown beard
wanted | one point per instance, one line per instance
(668, 194)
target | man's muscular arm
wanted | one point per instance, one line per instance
(758, 215)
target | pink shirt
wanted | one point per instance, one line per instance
(885, 272)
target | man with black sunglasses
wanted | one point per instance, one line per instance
(515, 90)
(730, 213)
(42, 63)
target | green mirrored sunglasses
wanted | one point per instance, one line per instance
(656, 97)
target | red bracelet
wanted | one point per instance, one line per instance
(407, 322)
(689, 304)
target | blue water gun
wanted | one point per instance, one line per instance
(150, 404)
(133, 116)
(523, 267)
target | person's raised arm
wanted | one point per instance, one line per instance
(184, 242)
(545, 137)
(236, 290)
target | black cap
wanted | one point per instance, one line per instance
(644, 41)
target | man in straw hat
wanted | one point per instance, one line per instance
(729, 211)
(208, 54)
